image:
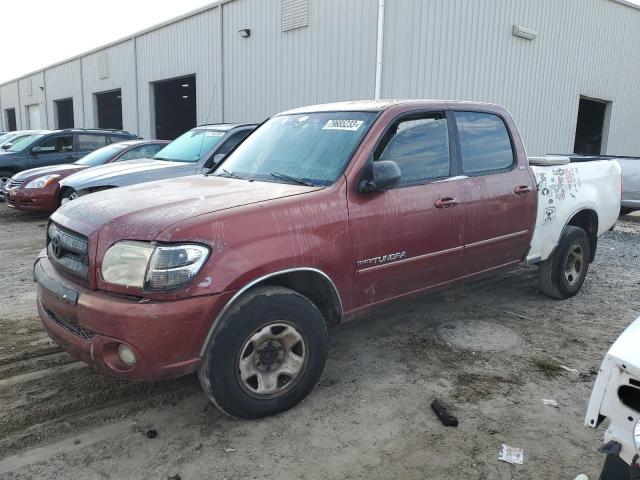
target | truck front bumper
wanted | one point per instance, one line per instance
(166, 337)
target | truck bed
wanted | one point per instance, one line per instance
(565, 188)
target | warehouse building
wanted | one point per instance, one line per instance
(568, 70)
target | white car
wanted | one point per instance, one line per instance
(616, 396)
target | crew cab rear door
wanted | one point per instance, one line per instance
(409, 238)
(499, 190)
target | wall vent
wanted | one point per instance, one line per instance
(103, 65)
(294, 14)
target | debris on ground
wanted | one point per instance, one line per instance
(229, 450)
(151, 433)
(174, 477)
(550, 402)
(582, 476)
(511, 455)
(443, 413)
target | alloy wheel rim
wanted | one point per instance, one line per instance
(271, 360)
(574, 264)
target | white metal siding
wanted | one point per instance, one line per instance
(459, 49)
(32, 93)
(122, 68)
(190, 46)
(9, 99)
(64, 81)
(332, 59)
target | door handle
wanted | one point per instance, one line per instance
(446, 202)
(522, 189)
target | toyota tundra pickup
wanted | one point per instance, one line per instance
(321, 214)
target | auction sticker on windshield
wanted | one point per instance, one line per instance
(351, 125)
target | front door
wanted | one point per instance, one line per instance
(52, 150)
(409, 238)
(500, 194)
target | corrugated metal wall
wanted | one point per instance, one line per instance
(31, 91)
(190, 46)
(64, 81)
(9, 98)
(333, 58)
(459, 49)
(120, 73)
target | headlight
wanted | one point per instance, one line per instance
(152, 267)
(42, 181)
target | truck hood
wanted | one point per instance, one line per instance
(141, 212)
(66, 169)
(130, 172)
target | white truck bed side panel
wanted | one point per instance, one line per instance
(565, 190)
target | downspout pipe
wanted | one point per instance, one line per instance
(379, 49)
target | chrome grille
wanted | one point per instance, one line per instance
(11, 184)
(68, 251)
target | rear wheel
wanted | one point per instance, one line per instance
(266, 354)
(562, 274)
(67, 195)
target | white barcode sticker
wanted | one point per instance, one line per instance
(351, 125)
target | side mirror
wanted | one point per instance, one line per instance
(386, 175)
(7, 146)
(36, 150)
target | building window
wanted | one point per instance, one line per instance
(294, 14)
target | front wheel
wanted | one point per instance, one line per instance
(562, 274)
(266, 354)
(68, 194)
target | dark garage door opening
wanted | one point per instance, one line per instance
(64, 112)
(175, 106)
(11, 119)
(590, 126)
(109, 106)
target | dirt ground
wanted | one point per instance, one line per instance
(370, 415)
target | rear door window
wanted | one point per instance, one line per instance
(484, 142)
(91, 141)
(420, 147)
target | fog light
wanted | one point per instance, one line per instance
(126, 355)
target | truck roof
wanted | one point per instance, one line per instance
(380, 105)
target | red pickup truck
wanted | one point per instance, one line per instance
(320, 214)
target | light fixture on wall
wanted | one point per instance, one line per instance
(245, 32)
(522, 32)
(185, 85)
(185, 96)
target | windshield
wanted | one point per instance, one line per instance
(101, 156)
(305, 148)
(25, 143)
(190, 146)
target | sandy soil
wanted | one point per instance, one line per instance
(370, 415)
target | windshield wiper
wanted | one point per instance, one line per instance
(226, 173)
(300, 181)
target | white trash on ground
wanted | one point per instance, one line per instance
(511, 454)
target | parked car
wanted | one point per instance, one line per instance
(320, 214)
(192, 152)
(630, 176)
(38, 189)
(616, 397)
(8, 139)
(55, 147)
(17, 146)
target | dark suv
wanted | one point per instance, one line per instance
(55, 147)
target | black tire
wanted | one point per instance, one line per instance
(557, 278)
(264, 309)
(67, 195)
